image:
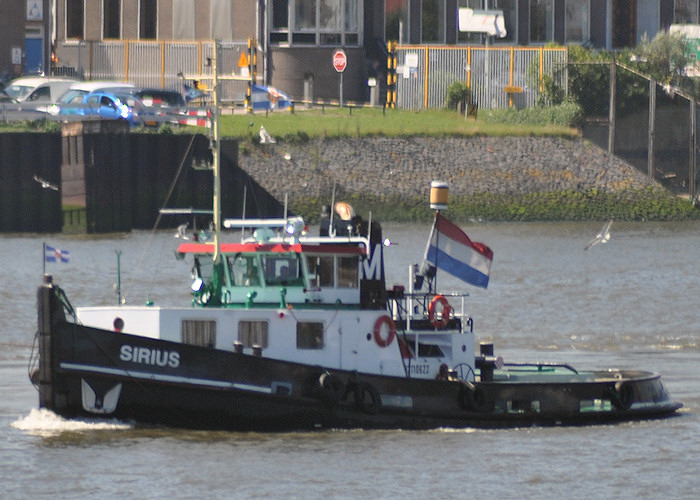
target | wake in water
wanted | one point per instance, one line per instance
(45, 423)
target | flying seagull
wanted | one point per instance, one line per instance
(602, 237)
(45, 184)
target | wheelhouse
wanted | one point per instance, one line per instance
(253, 274)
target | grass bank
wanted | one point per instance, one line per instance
(633, 205)
(306, 124)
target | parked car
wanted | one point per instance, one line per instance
(38, 89)
(163, 104)
(73, 97)
(109, 105)
(4, 97)
(160, 97)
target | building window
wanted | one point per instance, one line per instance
(309, 335)
(685, 11)
(468, 37)
(433, 21)
(510, 16)
(75, 19)
(252, 333)
(541, 21)
(199, 333)
(576, 21)
(148, 19)
(111, 18)
(316, 22)
(220, 26)
(183, 19)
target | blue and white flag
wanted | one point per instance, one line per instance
(263, 98)
(52, 254)
(451, 250)
(192, 93)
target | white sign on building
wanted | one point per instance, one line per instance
(35, 10)
(490, 22)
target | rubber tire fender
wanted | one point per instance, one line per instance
(367, 398)
(624, 396)
(330, 389)
(472, 398)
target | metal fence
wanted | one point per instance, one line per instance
(155, 63)
(499, 77)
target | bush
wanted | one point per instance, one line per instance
(458, 96)
(567, 114)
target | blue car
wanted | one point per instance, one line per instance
(109, 106)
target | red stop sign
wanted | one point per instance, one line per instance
(340, 60)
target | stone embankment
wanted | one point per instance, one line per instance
(401, 169)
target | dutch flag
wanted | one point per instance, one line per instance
(451, 250)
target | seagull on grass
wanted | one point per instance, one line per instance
(602, 237)
(265, 137)
(45, 184)
(182, 232)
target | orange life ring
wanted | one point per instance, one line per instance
(378, 338)
(440, 319)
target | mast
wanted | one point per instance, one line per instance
(216, 153)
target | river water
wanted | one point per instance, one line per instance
(631, 303)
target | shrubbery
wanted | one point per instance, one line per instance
(636, 205)
(567, 114)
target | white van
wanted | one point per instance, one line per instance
(38, 89)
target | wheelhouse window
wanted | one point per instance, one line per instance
(332, 271)
(309, 335)
(252, 333)
(321, 270)
(281, 269)
(244, 270)
(75, 19)
(203, 266)
(316, 22)
(111, 17)
(348, 272)
(199, 332)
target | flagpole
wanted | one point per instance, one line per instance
(437, 245)
(438, 201)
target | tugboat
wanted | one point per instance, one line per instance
(288, 330)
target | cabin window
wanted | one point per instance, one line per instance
(252, 333)
(321, 270)
(281, 270)
(429, 351)
(204, 268)
(309, 335)
(199, 332)
(244, 270)
(347, 272)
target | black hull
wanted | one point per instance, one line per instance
(86, 372)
